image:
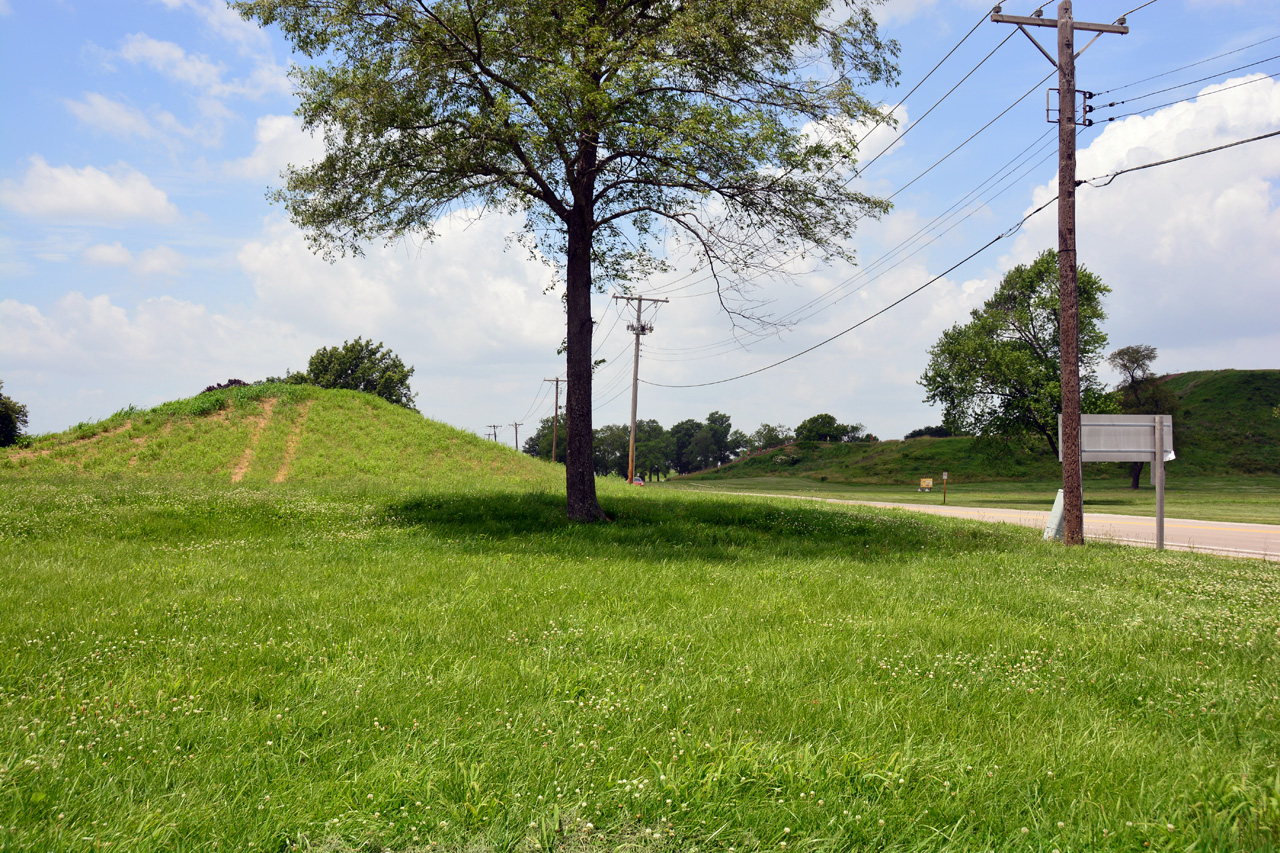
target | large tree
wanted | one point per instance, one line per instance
(618, 128)
(998, 374)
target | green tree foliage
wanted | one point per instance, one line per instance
(360, 365)
(928, 431)
(1141, 392)
(825, 427)
(770, 435)
(546, 438)
(998, 374)
(681, 438)
(611, 445)
(13, 419)
(619, 128)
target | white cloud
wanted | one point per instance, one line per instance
(462, 294)
(87, 195)
(107, 255)
(86, 357)
(199, 73)
(113, 117)
(172, 61)
(223, 21)
(280, 142)
(160, 261)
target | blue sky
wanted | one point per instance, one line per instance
(140, 260)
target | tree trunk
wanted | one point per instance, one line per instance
(580, 480)
(1135, 472)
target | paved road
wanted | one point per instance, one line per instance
(1236, 539)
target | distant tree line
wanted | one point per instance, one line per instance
(691, 445)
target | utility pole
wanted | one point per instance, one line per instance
(494, 427)
(1068, 307)
(517, 429)
(638, 328)
(555, 422)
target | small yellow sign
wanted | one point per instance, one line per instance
(926, 482)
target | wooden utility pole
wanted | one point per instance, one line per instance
(1068, 308)
(638, 328)
(516, 427)
(555, 421)
(494, 427)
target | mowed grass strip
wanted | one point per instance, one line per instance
(201, 666)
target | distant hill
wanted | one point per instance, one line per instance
(1224, 426)
(268, 434)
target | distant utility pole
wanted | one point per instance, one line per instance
(1068, 309)
(638, 328)
(516, 427)
(494, 427)
(555, 422)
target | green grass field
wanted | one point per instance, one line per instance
(442, 662)
(1253, 499)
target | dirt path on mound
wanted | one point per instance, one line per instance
(257, 424)
(292, 447)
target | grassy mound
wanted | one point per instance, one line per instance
(268, 434)
(1228, 425)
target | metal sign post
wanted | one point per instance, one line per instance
(1129, 438)
(944, 488)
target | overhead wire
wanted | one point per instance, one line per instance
(1188, 65)
(1195, 97)
(1190, 82)
(1109, 178)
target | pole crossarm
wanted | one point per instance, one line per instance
(1024, 21)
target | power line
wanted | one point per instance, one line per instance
(1195, 97)
(1110, 177)
(1113, 175)
(917, 122)
(866, 320)
(1191, 82)
(1188, 65)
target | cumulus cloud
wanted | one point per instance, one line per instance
(101, 356)
(199, 73)
(157, 261)
(160, 261)
(462, 293)
(280, 141)
(89, 195)
(223, 21)
(107, 255)
(113, 117)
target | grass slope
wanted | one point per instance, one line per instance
(187, 664)
(1228, 427)
(271, 434)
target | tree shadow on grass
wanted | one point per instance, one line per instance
(673, 526)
